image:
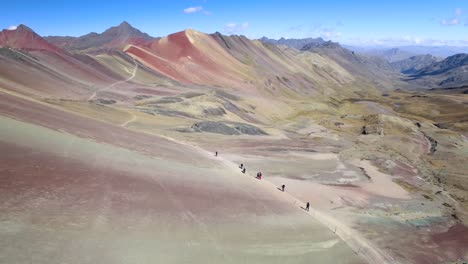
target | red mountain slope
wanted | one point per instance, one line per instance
(24, 38)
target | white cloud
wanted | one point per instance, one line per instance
(193, 9)
(454, 20)
(329, 33)
(234, 28)
(12, 27)
(450, 22)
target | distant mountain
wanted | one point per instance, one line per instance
(438, 51)
(403, 52)
(114, 37)
(392, 55)
(25, 38)
(293, 43)
(373, 68)
(449, 63)
(450, 72)
(415, 63)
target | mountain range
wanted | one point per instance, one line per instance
(384, 65)
(188, 57)
(234, 60)
(114, 37)
(293, 43)
(403, 52)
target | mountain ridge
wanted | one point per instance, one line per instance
(113, 37)
(292, 42)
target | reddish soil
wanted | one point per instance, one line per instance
(24, 38)
(75, 191)
(179, 46)
(32, 78)
(177, 58)
(89, 70)
(158, 64)
(454, 240)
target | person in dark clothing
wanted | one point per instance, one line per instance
(241, 166)
(307, 206)
(259, 175)
(243, 170)
(216, 154)
(282, 187)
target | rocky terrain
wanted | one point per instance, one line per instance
(293, 43)
(450, 72)
(414, 64)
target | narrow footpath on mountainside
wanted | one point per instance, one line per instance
(133, 118)
(116, 83)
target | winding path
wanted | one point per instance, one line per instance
(116, 83)
(129, 121)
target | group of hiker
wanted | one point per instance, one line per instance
(259, 176)
(242, 168)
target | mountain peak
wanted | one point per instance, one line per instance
(125, 24)
(192, 31)
(122, 28)
(22, 27)
(19, 28)
(23, 37)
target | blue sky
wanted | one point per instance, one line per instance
(364, 22)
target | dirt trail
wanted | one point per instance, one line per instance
(133, 118)
(29, 57)
(359, 244)
(116, 83)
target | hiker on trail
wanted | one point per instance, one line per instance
(259, 175)
(307, 206)
(243, 170)
(216, 154)
(241, 166)
(282, 187)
